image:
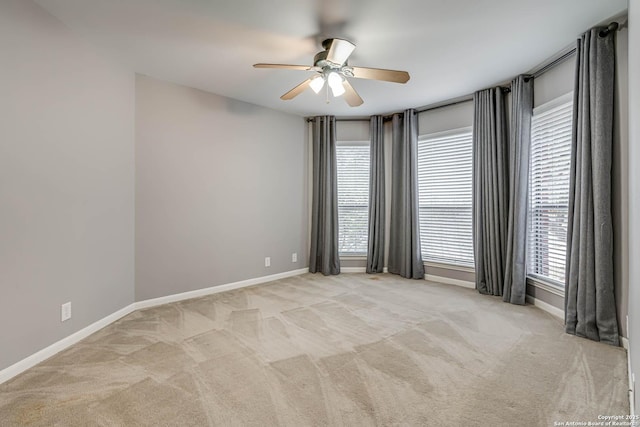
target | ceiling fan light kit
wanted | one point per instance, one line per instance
(332, 68)
(335, 82)
(317, 83)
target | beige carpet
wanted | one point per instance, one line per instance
(348, 350)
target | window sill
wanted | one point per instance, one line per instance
(353, 257)
(545, 286)
(449, 266)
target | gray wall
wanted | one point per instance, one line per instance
(352, 130)
(446, 118)
(556, 82)
(220, 185)
(634, 188)
(66, 182)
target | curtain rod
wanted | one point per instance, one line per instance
(554, 63)
(571, 51)
(344, 119)
(449, 103)
(536, 72)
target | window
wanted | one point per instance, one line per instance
(549, 190)
(353, 197)
(445, 197)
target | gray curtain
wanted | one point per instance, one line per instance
(515, 275)
(590, 309)
(490, 189)
(323, 254)
(375, 249)
(405, 258)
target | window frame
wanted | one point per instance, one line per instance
(356, 143)
(470, 267)
(545, 283)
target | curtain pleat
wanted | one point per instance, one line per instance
(323, 254)
(490, 189)
(590, 309)
(405, 258)
(515, 275)
(375, 249)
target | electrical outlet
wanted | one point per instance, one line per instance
(267, 262)
(65, 311)
(294, 257)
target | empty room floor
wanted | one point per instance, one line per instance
(350, 350)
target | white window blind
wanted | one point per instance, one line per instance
(549, 190)
(353, 197)
(445, 197)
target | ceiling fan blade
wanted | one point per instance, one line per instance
(296, 90)
(285, 66)
(350, 95)
(380, 74)
(340, 51)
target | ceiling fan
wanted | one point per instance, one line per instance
(332, 68)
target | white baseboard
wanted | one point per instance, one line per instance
(349, 270)
(625, 345)
(217, 289)
(449, 281)
(632, 399)
(555, 311)
(40, 356)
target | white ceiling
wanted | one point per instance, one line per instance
(450, 48)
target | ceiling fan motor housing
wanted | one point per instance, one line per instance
(320, 60)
